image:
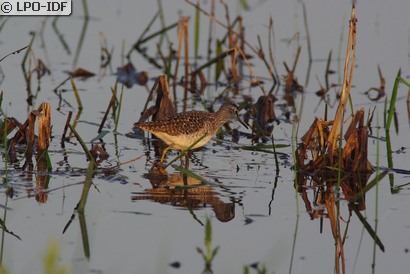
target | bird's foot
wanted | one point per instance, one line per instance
(158, 169)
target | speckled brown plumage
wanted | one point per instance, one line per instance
(182, 123)
(184, 129)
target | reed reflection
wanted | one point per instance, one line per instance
(322, 194)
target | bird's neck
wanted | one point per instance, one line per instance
(218, 121)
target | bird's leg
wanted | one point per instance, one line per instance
(185, 156)
(187, 160)
(164, 152)
(184, 175)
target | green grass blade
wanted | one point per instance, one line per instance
(368, 186)
(84, 147)
(119, 109)
(392, 105)
(86, 188)
(160, 32)
(60, 36)
(100, 135)
(390, 160)
(369, 229)
(90, 171)
(86, 12)
(208, 234)
(265, 148)
(77, 95)
(392, 102)
(23, 63)
(84, 235)
(190, 174)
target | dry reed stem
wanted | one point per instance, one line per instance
(213, 60)
(330, 203)
(178, 56)
(232, 43)
(110, 104)
(250, 69)
(346, 87)
(241, 38)
(182, 31)
(164, 107)
(194, 87)
(44, 136)
(9, 125)
(164, 102)
(186, 44)
(30, 138)
(271, 56)
(233, 37)
(212, 17)
(63, 136)
(211, 27)
(44, 129)
(261, 55)
(309, 47)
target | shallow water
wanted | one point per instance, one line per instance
(257, 214)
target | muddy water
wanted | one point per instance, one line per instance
(257, 214)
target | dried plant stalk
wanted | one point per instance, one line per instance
(166, 107)
(44, 129)
(30, 138)
(349, 61)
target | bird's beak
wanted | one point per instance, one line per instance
(242, 122)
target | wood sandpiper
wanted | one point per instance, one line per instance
(184, 129)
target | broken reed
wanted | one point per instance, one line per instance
(43, 159)
(44, 129)
(26, 134)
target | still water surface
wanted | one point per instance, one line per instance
(257, 215)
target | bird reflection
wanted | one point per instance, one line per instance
(187, 192)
